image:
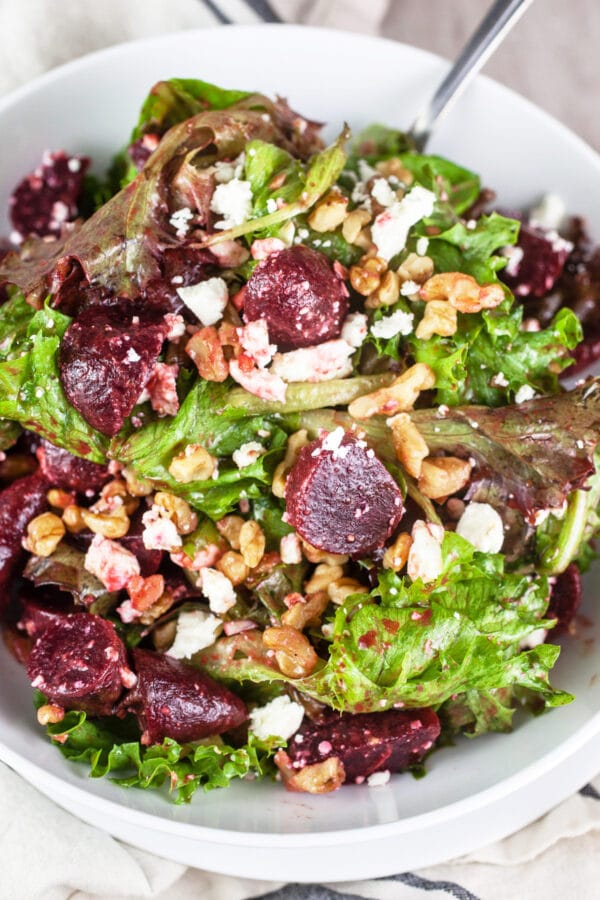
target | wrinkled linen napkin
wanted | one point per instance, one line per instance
(47, 853)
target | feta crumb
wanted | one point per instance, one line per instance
(175, 323)
(482, 526)
(74, 165)
(549, 212)
(206, 299)
(525, 392)
(271, 205)
(247, 454)
(425, 554)
(259, 382)
(320, 363)
(366, 171)
(180, 220)
(378, 779)
(514, 255)
(219, 591)
(290, 549)
(390, 228)
(354, 329)
(196, 629)
(254, 338)
(499, 380)
(382, 192)
(261, 248)
(280, 718)
(226, 171)
(409, 288)
(159, 531)
(534, 639)
(422, 245)
(399, 322)
(111, 563)
(333, 440)
(233, 201)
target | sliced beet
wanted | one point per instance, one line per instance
(172, 699)
(565, 599)
(342, 500)
(42, 608)
(180, 267)
(366, 743)
(300, 296)
(46, 199)
(20, 502)
(69, 472)
(79, 663)
(106, 357)
(539, 260)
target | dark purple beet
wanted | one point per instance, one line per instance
(79, 663)
(42, 608)
(47, 198)
(372, 742)
(299, 295)
(343, 500)
(172, 699)
(585, 354)
(20, 502)
(542, 262)
(69, 472)
(187, 265)
(141, 150)
(106, 357)
(565, 599)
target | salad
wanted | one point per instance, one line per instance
(291, 484)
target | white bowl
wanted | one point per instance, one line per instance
(480, 790)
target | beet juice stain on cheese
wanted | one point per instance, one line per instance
(290, 483)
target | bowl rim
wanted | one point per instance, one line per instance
(474, 802)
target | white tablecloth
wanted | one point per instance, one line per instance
(46, 853)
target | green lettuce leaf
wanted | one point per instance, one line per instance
(417, 645)
(112, 747)
(64, 568)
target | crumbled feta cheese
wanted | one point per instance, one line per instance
(422, 245)
(159, 531)
(482, 526)
(162, 389)
(74, 164)
(176, 325)
(280, 718)
(382, 192)
(332, 442)
(399, 322)
(365, 171)
(525, 392)
(206, 300)
(378, 779)
(247, 454)
(549, 213)
(111, 563)
(425, 554)
(260, 382)
(290, 549)
(131, 356)
(409, 288)
(271, 205)
(225, 171)
(499, 380)
(514, 255)
(254, 339)
(218, 590)
(230, 254)
(390, 228)
(320, 363)
(354, 329)
(180, 220)
(233, 201)
(260, 249)
(196, 629)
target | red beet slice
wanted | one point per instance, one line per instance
(41, 609)
(543, 259)
(106, 357)
(19, 503)
(172, 699)
(342, 500)
(367, 743)
(299, 295)
(180, 266)
(78, 663)
(69, 472)
(565, 599)
(47, 198)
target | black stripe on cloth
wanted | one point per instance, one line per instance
(217, 11)
(263, 9)
(307, 892)
(424, 884)
(590, 791)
